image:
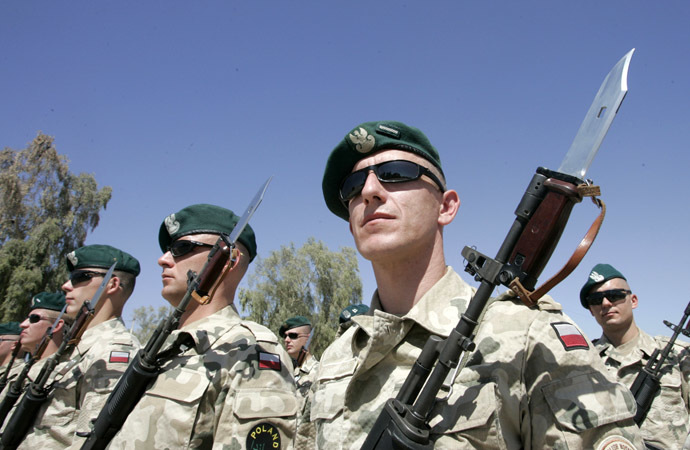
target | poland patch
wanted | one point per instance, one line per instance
(570, 336)
(119, 357)
(269, 361)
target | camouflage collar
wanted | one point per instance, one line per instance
(205, 332)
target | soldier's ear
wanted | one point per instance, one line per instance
(633, 301)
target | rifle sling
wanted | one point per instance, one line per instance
(531, 298)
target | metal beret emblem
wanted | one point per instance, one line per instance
(72, 258)
(171, 224)
(35, 300)
(363, 141)
(596, 277)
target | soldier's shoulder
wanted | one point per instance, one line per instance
(509, 303)
(259, 332)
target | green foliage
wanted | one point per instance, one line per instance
(310, 281)
(45, 212)
(146, 319)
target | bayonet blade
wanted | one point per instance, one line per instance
(244, 220)
(597, 120)
(97, 296)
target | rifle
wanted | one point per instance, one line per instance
(17, 386)
(37, 392)
(145, 366)
(304, 350)
(15, 351)
(541, 217)
(648, 382)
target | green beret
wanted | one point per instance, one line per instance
(293, 322)
(54, 301)
(102, 256)
(204, 219)
(10, 328)
(352, 310)
(599, 274)
(363, 141)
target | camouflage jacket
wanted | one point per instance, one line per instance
(304, 379)
(668, 420)
(82, 385)
(230, 386)
(14, 372)
(304, 374)
(533, 381)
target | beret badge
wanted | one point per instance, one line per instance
(171, 224)
(362, 140)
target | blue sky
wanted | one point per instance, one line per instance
(173, 103)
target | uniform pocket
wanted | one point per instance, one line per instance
(264, 403)
(588, 401)
(332, 382)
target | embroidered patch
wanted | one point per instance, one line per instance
(363, 141)
(596, 276)
(263, 436)
(570, 336)
(616, 443)
(119, 357)
(269, 361)
(171, 224)
(72, 257)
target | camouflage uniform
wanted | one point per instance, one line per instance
(15, 370)
(533, 381)
(14, 373)
(305, 375)
(668, 420)
(82, 385)
(229, 384)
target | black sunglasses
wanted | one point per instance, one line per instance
(294, 336)
(79, 276)
(614, 295)
(182, 247)
(398, 171)
(35, 318)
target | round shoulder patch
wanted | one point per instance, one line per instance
(263, 436)
(616, 443)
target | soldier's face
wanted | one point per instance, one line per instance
(614, 315)
(395, 220)
(7, 342)
(175, 268)
(32, 333)
(77, 292)
(294, 346)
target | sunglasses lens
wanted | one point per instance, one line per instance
(34, 318)
(180, 248)
(398, 171)
(353, 184)
(614, 295)
(79, 277)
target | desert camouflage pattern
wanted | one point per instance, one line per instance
(215, 393)
(668, 421)
(305, 375)
(14, 372)
(82, 385)
(520, 388)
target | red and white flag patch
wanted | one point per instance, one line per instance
(269, 361)
(119, 357)
(570, 336)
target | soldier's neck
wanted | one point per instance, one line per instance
(622, 336)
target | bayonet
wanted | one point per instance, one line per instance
(598, 120)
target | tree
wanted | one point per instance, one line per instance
(45, 212)
(146, 319)
(310, 281)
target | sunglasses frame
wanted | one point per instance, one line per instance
(81, 275)
(614, 295)
(297, 335)
(357, 189)
(32, 319)
(191, 246)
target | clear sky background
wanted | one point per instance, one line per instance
(173, 103)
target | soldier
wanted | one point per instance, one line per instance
(533, 380)
(625, 349)
(344, 321)
(9, 335)
(44, 311)
(224, 382)
(295, 332)
(84, 381)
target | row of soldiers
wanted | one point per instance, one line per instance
(532, 379)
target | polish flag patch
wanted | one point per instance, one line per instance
(570, 336)
(269, 361)
(119, 357)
